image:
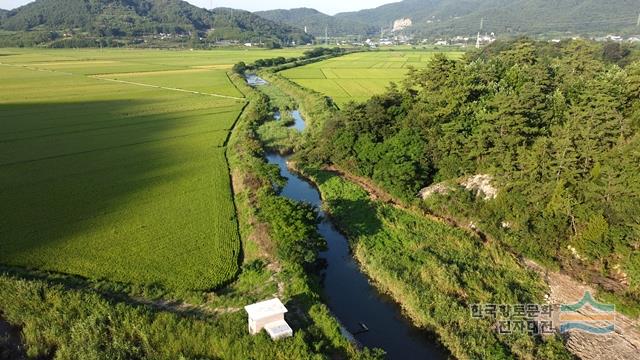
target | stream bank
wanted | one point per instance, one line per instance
(369, 317)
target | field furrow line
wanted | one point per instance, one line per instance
(97, 77)
(167, 88)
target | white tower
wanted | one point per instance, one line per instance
(478, 38)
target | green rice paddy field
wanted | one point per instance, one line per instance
(112, 164)
(357, 77)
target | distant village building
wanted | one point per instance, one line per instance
(616, 38)
(485, 39)
(460, 41)
(268, 315)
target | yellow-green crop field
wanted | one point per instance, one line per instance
(357, 77)
(112, 164)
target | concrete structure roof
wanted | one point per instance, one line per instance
(278, 329)
(265, 309)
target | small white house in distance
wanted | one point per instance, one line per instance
(268, 315)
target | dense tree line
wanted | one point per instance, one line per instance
(306, 58)
(244, 26)
(555, 124)
(316, 22)
(135, 18)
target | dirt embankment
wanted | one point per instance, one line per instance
(624, 343)
(378, 194)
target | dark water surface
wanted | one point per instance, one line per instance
(348, 293)
(298, 122)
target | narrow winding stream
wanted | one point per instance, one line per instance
(372, 318)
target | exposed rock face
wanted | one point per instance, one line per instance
(600, 347)
(575, 253)
(401, 24)
(481, 184)
(624, 343)
(439, 188)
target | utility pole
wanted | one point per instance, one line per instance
(326, 35)
(478, 38)
(638, 24)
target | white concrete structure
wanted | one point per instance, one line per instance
(268, 315)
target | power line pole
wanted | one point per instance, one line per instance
(638, 24)
(326, 35)
(478, 38)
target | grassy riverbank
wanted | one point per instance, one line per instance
(284, 230)
(435, 272)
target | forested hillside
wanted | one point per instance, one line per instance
(316, 22)
(135, 18)
(439, 17)
(556, 126)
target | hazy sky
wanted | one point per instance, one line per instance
(326, 6)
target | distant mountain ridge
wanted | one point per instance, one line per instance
(130, 18)
(317, 22)
(450, 17)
